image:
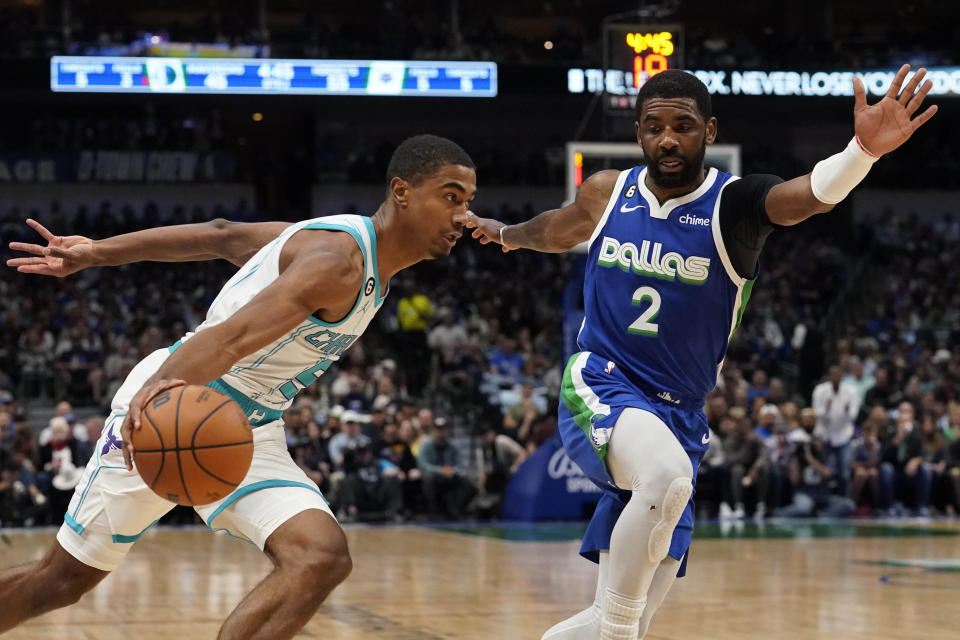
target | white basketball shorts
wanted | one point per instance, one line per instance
(112, 507)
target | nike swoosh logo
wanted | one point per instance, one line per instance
(705, 439)
(625, 209)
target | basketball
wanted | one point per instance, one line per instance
(194, 445)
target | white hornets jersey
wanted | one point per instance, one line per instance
(265, 382)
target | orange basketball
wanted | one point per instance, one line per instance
(194, 445)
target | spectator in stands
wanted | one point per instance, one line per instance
(21, 504)
(881, 393)
(35, 358)
(759, 387)
(747, 457)
(934, 453)
(506, 362)
(58, 461)
(768, 419)
(445, 486)
(85, 449)
(808, 424)
(713, 478)
(312, 454)
(716, 409)
(902, 468)
(866, 459)
(372, 490)
(448, 336)
(414, 312)
(397, 451)
(782, 458)
(953, 474)
(518, 420)
(78, 358)
(812, 496)
(836, 405)
(348, 440)
(498, 456)
(859, 380)
(777, 394)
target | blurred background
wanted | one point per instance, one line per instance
(462, 367)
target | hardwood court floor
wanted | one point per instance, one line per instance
(800, 581)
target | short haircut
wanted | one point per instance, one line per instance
(421, 156)
(674, 83)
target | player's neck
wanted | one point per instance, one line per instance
(395, 250)
(663, 193)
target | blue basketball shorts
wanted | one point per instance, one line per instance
(594, 393)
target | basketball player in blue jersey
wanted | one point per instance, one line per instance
(304, 293)
(672, 257)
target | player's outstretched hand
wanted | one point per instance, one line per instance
(62, 256)
(486, 230)
(884, 126)
(132, 420)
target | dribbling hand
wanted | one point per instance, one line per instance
(131, 421)
(62, 256)
(884, 126)
(486, 230)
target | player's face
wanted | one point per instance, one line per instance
(438, 207)
(674, 137)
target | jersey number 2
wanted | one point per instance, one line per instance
(644, 325)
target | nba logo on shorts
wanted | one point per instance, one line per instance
(609, 367)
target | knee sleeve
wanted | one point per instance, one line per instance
(674, 502)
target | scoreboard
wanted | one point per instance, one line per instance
(274, 77)
(635, 52)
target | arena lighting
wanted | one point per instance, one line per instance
(623, 84)
(101, 74)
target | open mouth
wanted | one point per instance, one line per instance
(452, 238)
(671, 164)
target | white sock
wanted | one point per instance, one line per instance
(620, 617)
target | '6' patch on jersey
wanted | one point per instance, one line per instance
(369, 288)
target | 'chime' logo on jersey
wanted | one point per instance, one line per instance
(650, 260)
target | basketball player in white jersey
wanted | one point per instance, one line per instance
(672, 257)
(304, 293)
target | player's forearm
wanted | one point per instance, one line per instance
(544, 233)
(217, 239)
(200, 360)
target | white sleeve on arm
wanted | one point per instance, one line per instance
(834, 178)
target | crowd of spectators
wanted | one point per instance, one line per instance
(881, 434)
(486, 359)
(515, 34)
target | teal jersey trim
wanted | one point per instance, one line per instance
(73, 524)
(227, 531)
(265, 415)
(176, 345)
(252, 271)
(86, 490)
(129, 539)
(356, 236)
(256, 486)
(376, 260)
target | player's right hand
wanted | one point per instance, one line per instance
(131, 421)
(62, 256)
(486, 230)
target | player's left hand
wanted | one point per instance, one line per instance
(486, 230)
(132, 420)
(884, 126)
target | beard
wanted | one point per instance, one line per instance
(691, 171)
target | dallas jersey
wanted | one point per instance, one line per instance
(265, 382)
(661, 298)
